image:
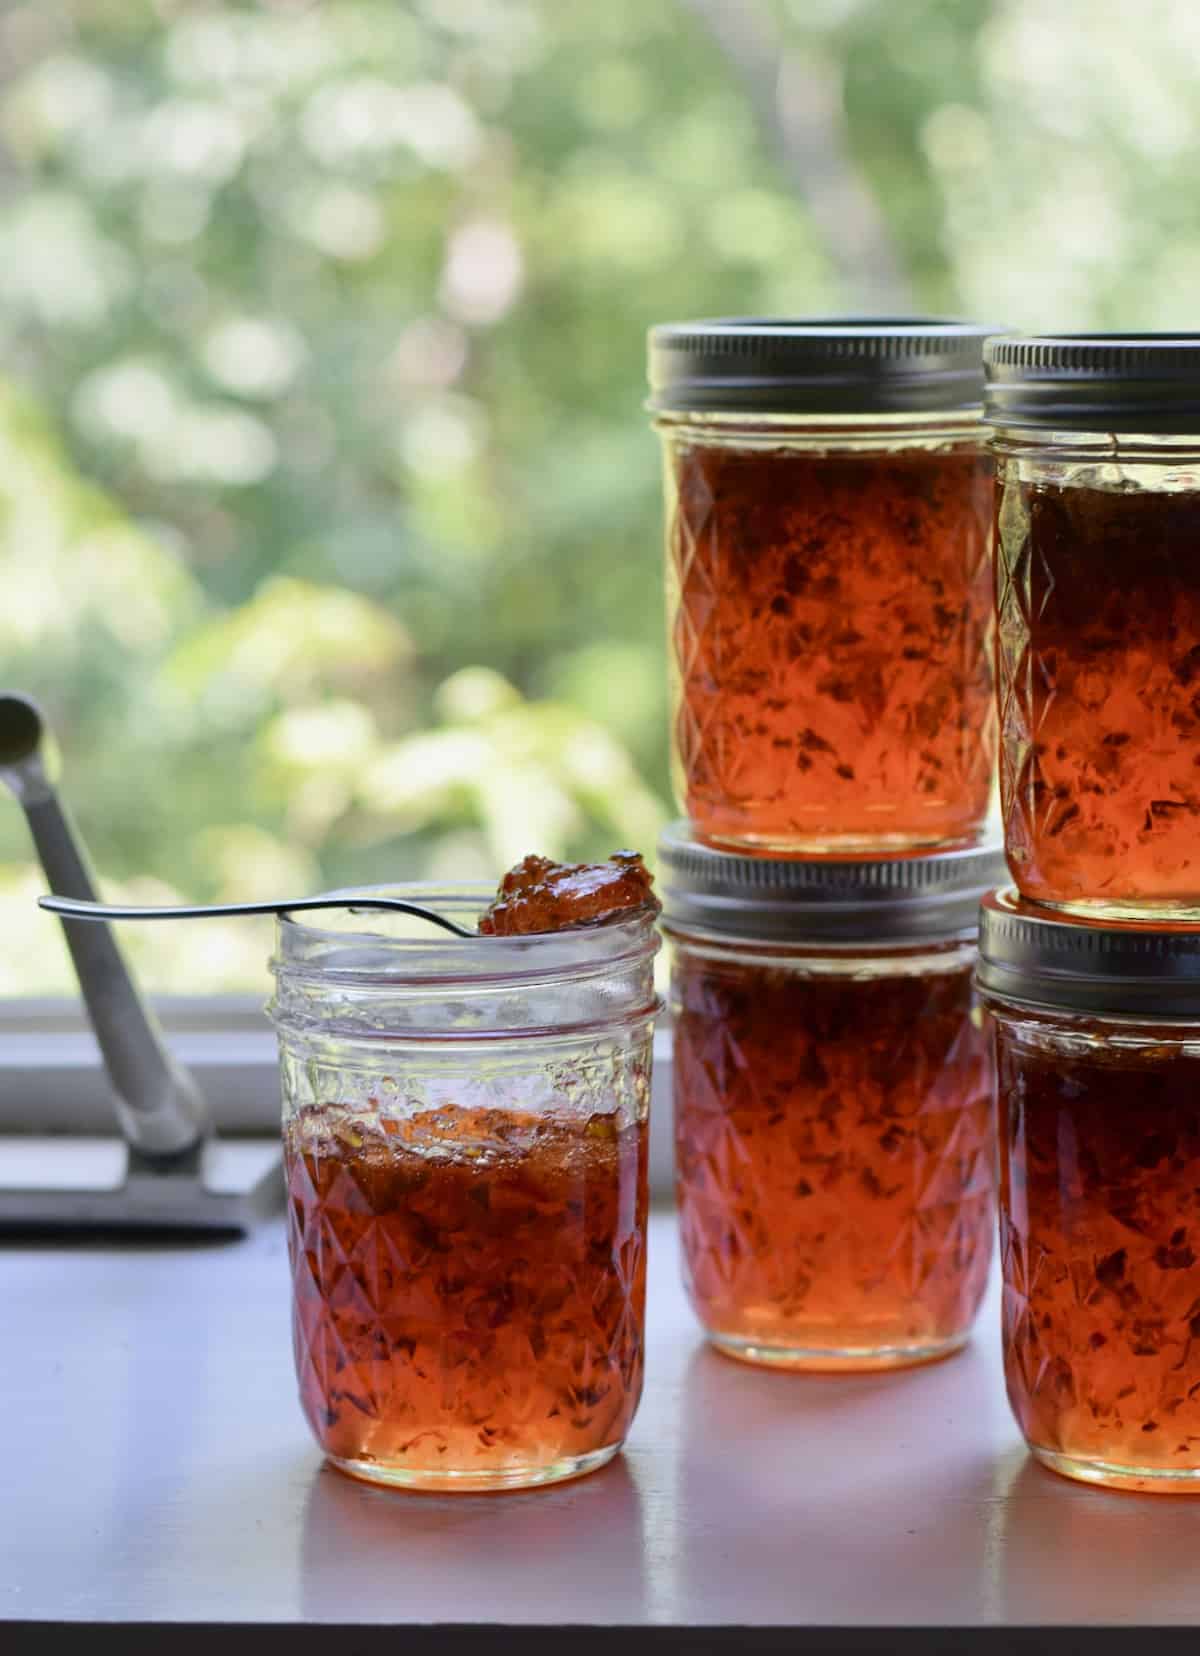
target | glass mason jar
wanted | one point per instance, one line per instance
(1097, 1033)
(465, 1148)
(828, 522)
(833, 1102)
(1097, 445)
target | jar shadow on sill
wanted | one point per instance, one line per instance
(1071, 1552)
(860, 1496)
(570, 1552)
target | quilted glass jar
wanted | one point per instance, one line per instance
(833, 1102)
(465, 1148)
(1097, 1032)
(1097, 446)
(828, 516)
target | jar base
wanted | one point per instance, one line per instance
(1164, 911)
(836, 845)
(836, 1359)
(478, 1483)
(1146, 1480)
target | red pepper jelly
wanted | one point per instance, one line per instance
(470, 1288)
(828, 521)
(833, 1103)
(1097, 1032)
(1097, 443)
(540, 895)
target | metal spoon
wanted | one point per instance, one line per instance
(159, 1106)
(72, 908)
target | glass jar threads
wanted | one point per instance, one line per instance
(833, 1102)
(1097, 444)
(465, 1149)
(828, 518)
(1097, 1032)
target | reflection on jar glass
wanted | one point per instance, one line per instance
(1097, 1033)
(465, 1145)
(833, 1103)
(828, 517)
(1097, 443)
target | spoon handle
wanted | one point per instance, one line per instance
(159, 1106)
(89, 909)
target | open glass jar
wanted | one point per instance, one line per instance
(833, 1102)
(1097, 1033)
(465, 1146)
(1097, 444)
(828, 520)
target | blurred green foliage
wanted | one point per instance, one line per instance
(339, 309)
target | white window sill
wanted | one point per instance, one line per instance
(51, 1080)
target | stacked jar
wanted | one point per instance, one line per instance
(829, 509)
(1091, 966)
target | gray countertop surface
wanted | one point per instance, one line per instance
(156, 1468)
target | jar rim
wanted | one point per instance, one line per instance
(397, 948)
(1101, 445)
(806, 946)
(837, 427)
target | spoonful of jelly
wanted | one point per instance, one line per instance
(539, 895)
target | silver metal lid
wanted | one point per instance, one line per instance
(1094, 382)
(822, 900)
(1029, 954)
(817, 364)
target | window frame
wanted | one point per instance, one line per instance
(52, 1081)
